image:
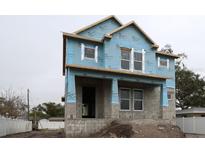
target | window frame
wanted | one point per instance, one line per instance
(83, 57)
(135, 51)
(130, 59)
(130, 98)
(172, 95)
(138, 99)
(162, 66)
(88, 47)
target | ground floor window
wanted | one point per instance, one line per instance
(131, 96)
(137, 99)
(124, 99)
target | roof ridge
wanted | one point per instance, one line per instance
(98, 22)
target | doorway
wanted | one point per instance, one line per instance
(88, 102)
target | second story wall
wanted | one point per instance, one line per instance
(168, 71)
(109, 53)
(128, 38)
(74, 54)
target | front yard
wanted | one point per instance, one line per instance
(115, 130)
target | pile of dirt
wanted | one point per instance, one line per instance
(116, 129)
(129, 130)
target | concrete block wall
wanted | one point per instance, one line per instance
(70, 110)
(84, 127)
(151, 109)
(169, 112)
(107, 98)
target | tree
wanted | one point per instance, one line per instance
(190, 87)
(167, 49)
(47, 110)
(11, 104)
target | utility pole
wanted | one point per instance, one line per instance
(28, 102)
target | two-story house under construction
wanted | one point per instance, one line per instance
(115, 71)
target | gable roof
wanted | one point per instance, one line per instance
(109, 35)
(97, 23)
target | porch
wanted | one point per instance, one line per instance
(95, 98)
(114, 98)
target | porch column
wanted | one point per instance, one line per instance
(164, 102)
(164, 99)
(115, 100)
(70, 105)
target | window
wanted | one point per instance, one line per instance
(89, 52)
(162, 62)
(138, 61)
(125, 59)
(131, 60)
(137, 100)
(125, 99)
(170, 95)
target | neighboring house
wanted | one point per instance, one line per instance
(192, 112)
(114, 71)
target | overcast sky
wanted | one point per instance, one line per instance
(31, 48)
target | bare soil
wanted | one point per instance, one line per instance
(115, 130)
(39, 134)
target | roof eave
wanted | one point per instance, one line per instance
(71, 35)
(116, 71)
(64, 54)
(169, 55)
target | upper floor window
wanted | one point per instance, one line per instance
(163, 62)
(89, 52)
(125, 59)
(138, 61)
(132, 60)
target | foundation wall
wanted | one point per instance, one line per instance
(84, 127)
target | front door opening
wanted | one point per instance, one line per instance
(88, 102)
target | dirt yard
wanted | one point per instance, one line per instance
(39, 134)
(115, 130)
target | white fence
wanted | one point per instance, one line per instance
(12, 126)
(50, 125)
(194, 125)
